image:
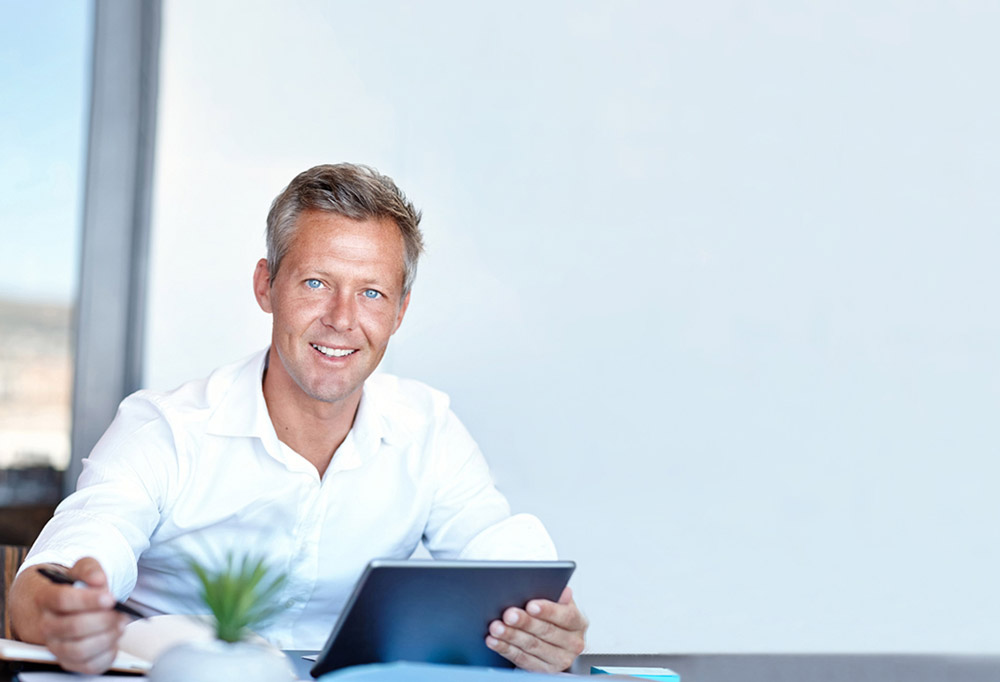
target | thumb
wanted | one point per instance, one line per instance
(89, 571)
(567, 596)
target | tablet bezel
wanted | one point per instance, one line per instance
(396, 597)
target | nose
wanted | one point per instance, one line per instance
(341, 313)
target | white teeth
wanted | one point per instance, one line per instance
(332, 352)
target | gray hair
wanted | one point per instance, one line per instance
(351, 190)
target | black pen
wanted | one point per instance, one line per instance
(63, 579)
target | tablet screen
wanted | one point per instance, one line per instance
(434, 611)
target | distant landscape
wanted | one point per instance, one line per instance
(36, 376)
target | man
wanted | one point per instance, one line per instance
(297, 452)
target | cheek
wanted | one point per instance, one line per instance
(296, 309)
(379, 323)
(292, 316)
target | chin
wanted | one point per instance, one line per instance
(331, 395)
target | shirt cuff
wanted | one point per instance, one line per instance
(73, 535)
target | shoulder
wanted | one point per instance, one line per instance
(189, 407)
(198, 395)
(409, 405)
(157, 435)
(396, 393)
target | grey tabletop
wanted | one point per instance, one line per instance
(809, 667)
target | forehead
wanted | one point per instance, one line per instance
(326, 240)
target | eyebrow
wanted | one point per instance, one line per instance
(313, 273)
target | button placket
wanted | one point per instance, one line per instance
(301, 574)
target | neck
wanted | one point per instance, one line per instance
(312, 428)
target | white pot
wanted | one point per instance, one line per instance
(219, 661)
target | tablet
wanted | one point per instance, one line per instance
(434, 611)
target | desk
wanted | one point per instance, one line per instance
(810, 667)
(779, 667)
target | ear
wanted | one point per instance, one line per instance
(402, 311)
(262, 285)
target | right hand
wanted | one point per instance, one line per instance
(77, 624)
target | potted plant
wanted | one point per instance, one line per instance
(240, 596)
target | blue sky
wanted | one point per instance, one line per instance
(44, 79)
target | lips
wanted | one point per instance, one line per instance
(334, 352)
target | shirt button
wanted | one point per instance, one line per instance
(290, 603)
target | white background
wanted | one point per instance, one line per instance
(713, 284)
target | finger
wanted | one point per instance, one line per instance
(567, 595)
(522, 659)
(96, 664)
(66, 599)
(568, 643)
(554, 657)
(84, 648)
(89, 571)
(80, 625)
(69, 599)
(544, 630)
(89, 654)
(566, 614)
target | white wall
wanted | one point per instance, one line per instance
(713, 283)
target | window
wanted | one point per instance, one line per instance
(44, 87)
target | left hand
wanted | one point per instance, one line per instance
(543, 636)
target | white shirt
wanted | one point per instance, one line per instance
(199, 472)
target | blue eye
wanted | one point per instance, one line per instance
(371, 294)
(313, 283)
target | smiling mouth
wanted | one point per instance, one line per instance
(334, 352)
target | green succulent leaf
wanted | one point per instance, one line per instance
(240, 594)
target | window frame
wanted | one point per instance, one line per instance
(118, 186)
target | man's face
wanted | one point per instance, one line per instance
(336, 300)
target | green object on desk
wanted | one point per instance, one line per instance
(660, 674)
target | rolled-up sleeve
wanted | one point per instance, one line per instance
(470, 518)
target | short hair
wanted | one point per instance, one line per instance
(351, 190)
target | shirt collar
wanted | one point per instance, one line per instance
(242, 411)
(373, 422)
